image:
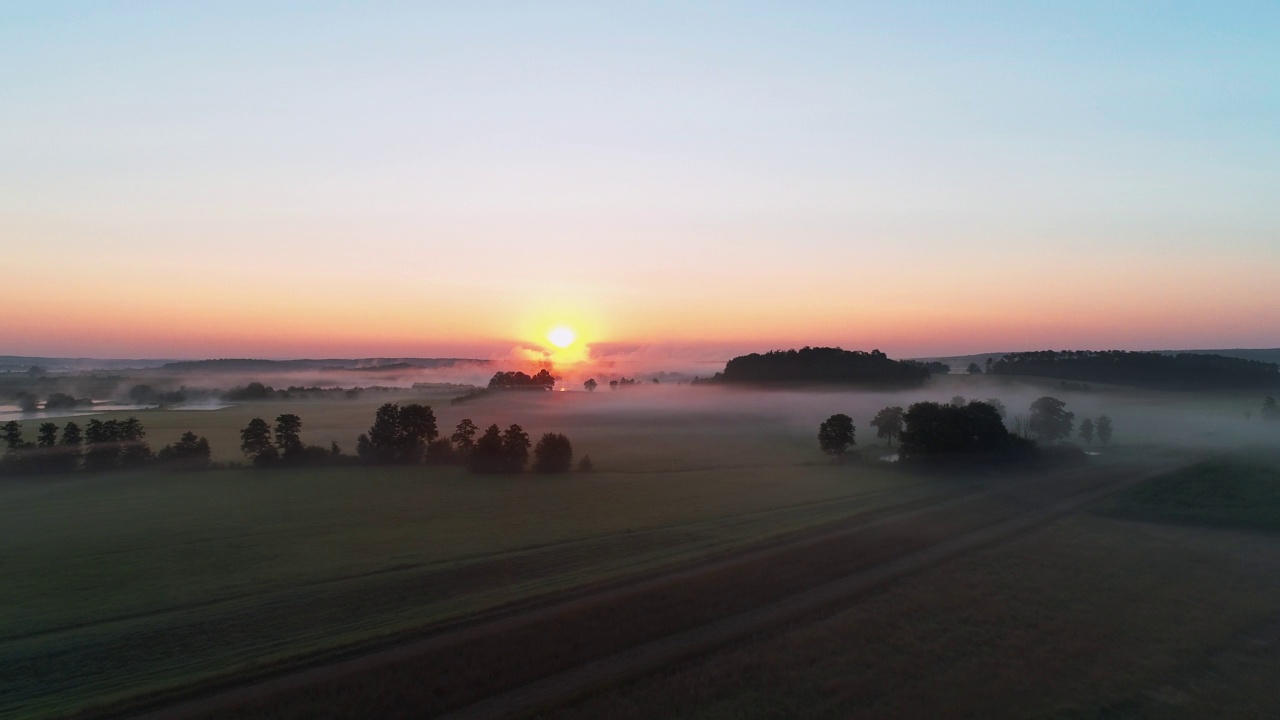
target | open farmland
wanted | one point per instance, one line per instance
(150, 586)
(127, 578)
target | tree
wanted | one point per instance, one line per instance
(440, 452)
(515, 448)
(585, 464)
(399, 435)
(1050, 421)
(613, 384)
(1086, 430)
(973, 369)
(590, 384)
(289, 436)
(134, 450)
(997, 404)
(188, 453)
(71, 435)
(1103, 427)
(464, 435)
(255, 443)
(13, 435)
(934, 430)
(48, 436)
(888, 423)
(553, 454)
(1270, 411)
(959, 401)
(28, 403)
(102, 445)
(418, 425)
(487, 456)
(835, 435)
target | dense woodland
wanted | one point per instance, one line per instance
(822, 365)
(1185, 371)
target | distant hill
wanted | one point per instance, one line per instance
(1183, 371)
(21, 363)
(821, 366)
(243, 365)
(958, 363)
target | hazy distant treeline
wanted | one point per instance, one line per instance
(1185, 371)
(824, 365)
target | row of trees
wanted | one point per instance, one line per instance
(516, 380)
(409, 435)
(101, 445)
(972, 428)
(1184, 371)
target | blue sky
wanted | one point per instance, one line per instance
(649, 171)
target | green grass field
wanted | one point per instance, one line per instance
(117, 585)
(1238, 491)
(147, 581)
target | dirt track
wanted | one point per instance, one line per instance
(535, 657)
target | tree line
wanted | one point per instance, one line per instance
(101, 445)
(409, 435)
(972, 429)
(821, 365)
(1184, 371)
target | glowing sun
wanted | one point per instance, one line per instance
(562, 337)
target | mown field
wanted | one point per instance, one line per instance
(119, 584)
(1090, 617)
(122, 585)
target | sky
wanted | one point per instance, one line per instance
(334, 179)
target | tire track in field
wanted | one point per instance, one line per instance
(522, 613)
(629, 664)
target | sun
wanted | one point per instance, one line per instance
(562, 337)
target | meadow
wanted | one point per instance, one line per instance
(141, 586)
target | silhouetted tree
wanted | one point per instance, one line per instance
(440, 452)
(613, 384)
(464, 435)
(515, 380)
(28, 403)
(71, 435)
(888, 423)
(399, 434)
(590, 384)
(1050, 420)
(933, 430)
(48, 436)
(102, 445)
(60, 401)
(1103, 427)
(553, 454)
(585, 464)
(515, 448)
(959, 401)
(289, 436)
(13, 435)
(998, 405)
(488, 456)
(190, 452)
(134, 450)
(835, 435)
(1086, 430)
(255, 443)
(1270, 410)
(973, 369)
